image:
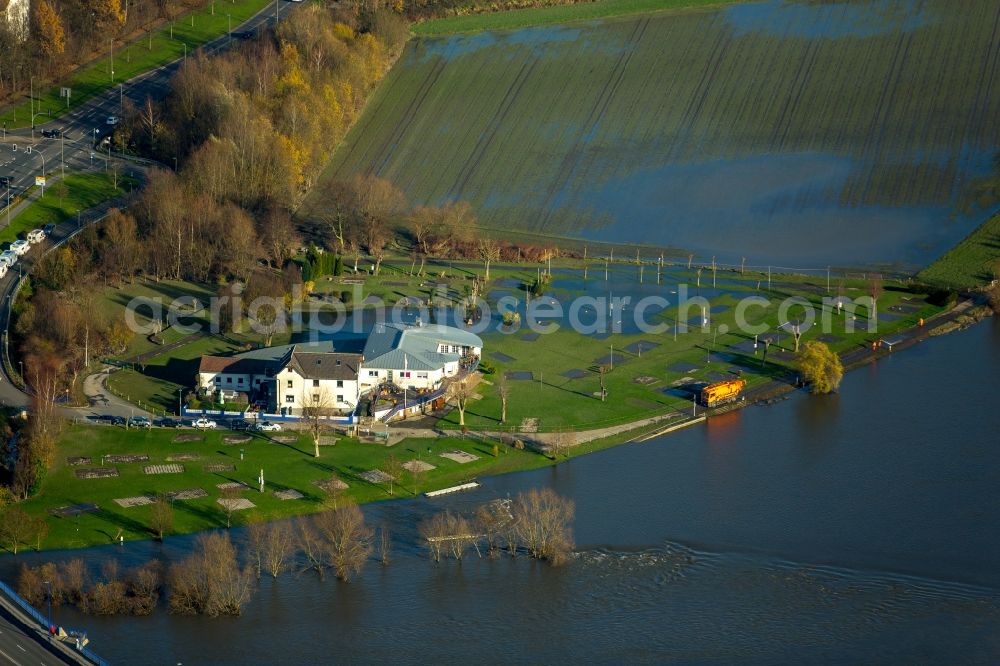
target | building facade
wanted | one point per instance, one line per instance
(291, 378)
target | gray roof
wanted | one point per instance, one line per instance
(401, 346)
(324, 365)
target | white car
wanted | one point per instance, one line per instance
(113, 120)
(35, 236)
(20, 247)
(203, 423)
(8, 258)
(267, 426)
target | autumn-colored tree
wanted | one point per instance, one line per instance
(820, 367)
(47, 29)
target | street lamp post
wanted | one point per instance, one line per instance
(50, 631)
(112, 42)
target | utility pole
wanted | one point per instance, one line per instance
(112, 42)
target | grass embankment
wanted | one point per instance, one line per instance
(194, 29)
(62, 201)
(971, 263)
(286, 465)
(537, 16)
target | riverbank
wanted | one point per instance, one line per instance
(101, 488)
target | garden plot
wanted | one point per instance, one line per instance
(171, 468)
(461, 457)
(74, 510)
(129, 502)
(288, 494)
(376, 476)
(128, 458)
(330, 485)
(188, 494)
(236, 503)
(220, 467)
(418, 466)
(97, 473)
(232, 485)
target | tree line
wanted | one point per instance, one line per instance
(64, 34)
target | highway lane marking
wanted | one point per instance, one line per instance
(10, 658)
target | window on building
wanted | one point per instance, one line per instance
(338, 361)
(373, 373)
(315, 382)
(315, 397)
(340, 383)
(218, 380)
(289, 383)
(289, 398)
(421, 375)
(239, 380)
(257, 381)
(229, 380)
(340, 397)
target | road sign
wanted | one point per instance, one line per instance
(40, 181)
(65, 92)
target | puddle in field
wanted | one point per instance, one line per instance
(830, 20)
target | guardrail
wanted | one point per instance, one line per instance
(43, 622)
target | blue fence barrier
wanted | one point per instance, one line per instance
(31, 612)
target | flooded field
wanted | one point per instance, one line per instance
(787, 132)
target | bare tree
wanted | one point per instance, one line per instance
(317, 408)
(346, 539)
(460, 392)
(210, 580)
(602, 372)
(310, 544)
(229, 499)
(489, 251)
(161, 517)
(393, 468)
(543, 524)
(503, 390)
(561, 442)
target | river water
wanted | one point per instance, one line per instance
(857, 528)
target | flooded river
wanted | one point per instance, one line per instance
(854, 528)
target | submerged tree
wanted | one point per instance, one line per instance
(821, 368)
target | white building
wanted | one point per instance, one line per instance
(287, 378)
(323, 379)
(283, 379)
(417, 357)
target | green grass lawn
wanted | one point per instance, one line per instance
(971, 263)
(63, 200)
(535, 16)
(558, 401)
(154, 384)
(286, 465)
(194, 29)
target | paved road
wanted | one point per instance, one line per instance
(25, 153)
(18, 647)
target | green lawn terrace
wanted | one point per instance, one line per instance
(810, 132)
(562, 365)
(554, 380)
(160, 461)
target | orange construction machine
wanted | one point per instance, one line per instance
(721, 393)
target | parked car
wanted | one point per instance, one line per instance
(140, 422)
(35, 236)
(168, 422)
(4, 181)
(203, 423)
(20, 247)
(240, 424)
(118, 420)
(52, 133)
(113, 120)
(8, 257)
(48, 229)
(267, 426)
